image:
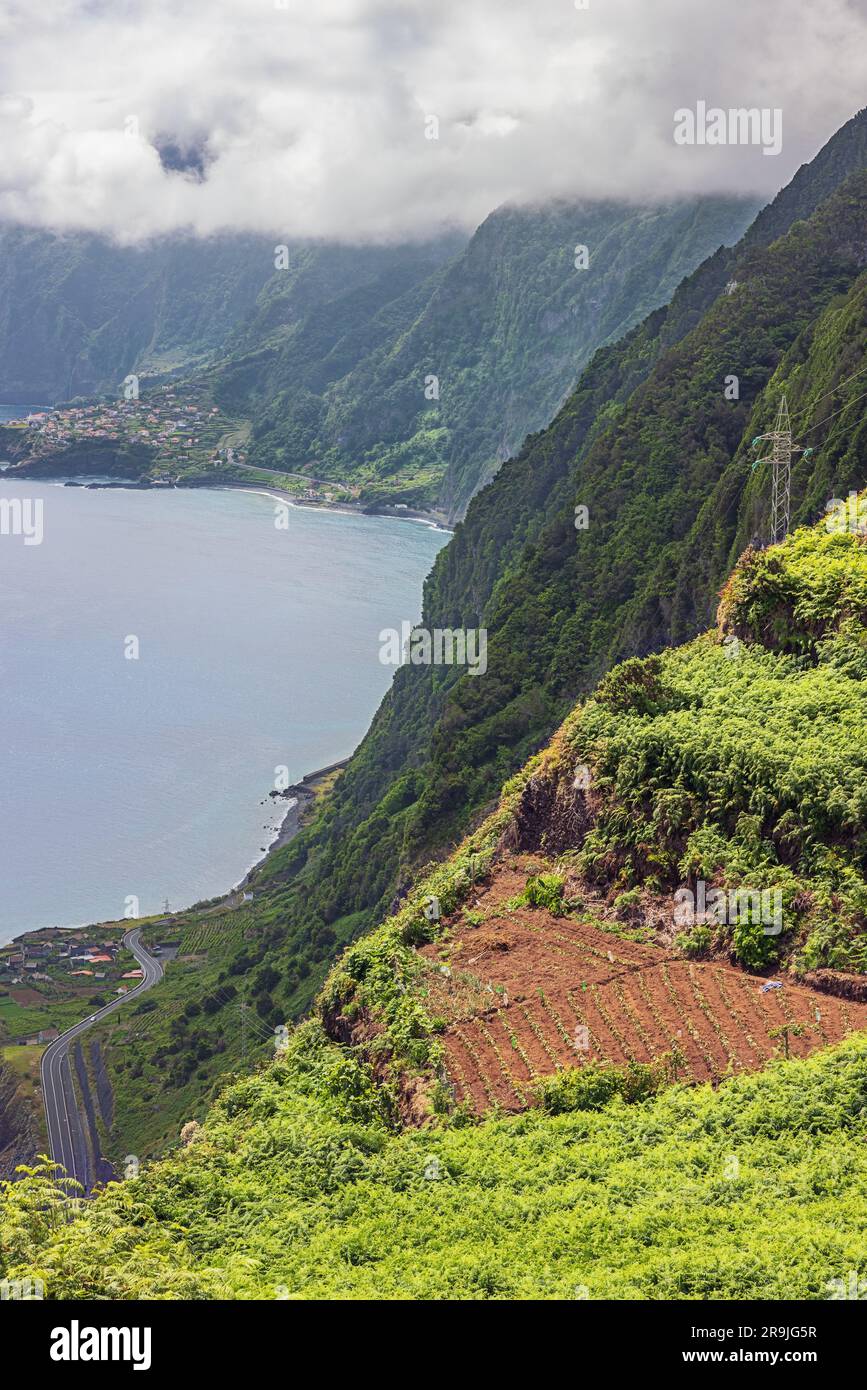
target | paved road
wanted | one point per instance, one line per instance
(67, 1131)
(285, 473)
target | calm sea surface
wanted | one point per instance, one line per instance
(257, 648)
(20, 410)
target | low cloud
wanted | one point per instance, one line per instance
(317, 120)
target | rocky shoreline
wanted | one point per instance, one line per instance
(395, 513)
(302, 795)
(94, 482)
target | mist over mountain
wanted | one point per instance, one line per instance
(418, 394)
(78, 312)
(356, 122)
(553, 986)
(408, 372)
(517, 1072)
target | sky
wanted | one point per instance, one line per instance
(381, 120)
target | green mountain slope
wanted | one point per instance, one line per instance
(739, 759)
(77, 313)
(312, 322)
(441, 747)
(743, 764)
(561, 605)
(295, 1188)
(664, 461)
(339, 385)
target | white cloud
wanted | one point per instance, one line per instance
(311, 117)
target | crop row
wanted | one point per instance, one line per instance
(714, 1020)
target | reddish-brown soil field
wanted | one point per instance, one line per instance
(526, 993)
(26, 996)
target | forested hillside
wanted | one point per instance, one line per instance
(342, 382)
(406, 372)
(663, 460)
(650, 443)
(685, 1124)
(77, 312)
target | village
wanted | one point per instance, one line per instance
(188, 434)
(182, 426)
(48, 974)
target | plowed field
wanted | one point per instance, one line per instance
(526, 993)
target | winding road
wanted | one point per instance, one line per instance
(67, 1136)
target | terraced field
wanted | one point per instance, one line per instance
(214, 933)
(598, 997)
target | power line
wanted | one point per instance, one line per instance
(249, 1019)
(834, 389)
(837, 412)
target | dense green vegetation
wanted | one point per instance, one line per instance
(299, 1187)
(78, 312)
(724, 760)
(338, 383)
(748, 770)
(665, 466)
(803, 597)
(664, 462)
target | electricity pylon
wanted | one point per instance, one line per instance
(780, 457)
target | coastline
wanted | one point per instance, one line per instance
(437, 520)
(301, 795)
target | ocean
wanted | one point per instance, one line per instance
(162, 655)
